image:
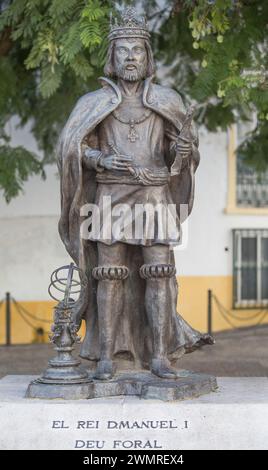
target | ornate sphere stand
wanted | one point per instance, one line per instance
(64, 377)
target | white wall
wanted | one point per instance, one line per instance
(30, 247)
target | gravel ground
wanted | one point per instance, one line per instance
(238, 353)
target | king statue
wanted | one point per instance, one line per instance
(130, 143)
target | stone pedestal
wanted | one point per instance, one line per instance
(233, 417)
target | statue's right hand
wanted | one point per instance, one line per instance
(116, 162)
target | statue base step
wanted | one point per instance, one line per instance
(141, 384)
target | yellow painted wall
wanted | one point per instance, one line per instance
(192, 305)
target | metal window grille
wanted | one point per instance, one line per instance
(251, 187)
(250, 268)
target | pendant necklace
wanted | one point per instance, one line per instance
(133, 134)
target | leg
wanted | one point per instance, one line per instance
(110, 273)
(157, 271)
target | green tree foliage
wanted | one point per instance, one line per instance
(52, 51)
(221, 63)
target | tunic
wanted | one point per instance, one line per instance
(125, 192)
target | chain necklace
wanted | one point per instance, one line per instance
(133, 134)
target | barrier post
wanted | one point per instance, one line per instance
(8, 320)
(210, 312)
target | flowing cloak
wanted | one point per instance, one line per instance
(132, 335)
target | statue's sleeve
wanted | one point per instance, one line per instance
(91, 153)
(91, 159)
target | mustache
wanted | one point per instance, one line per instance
(132, 64)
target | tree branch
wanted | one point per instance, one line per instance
(6, 42)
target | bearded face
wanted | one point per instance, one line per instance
(130, 59)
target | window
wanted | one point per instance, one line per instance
(251, 186)
(250, 268)
(247, 189)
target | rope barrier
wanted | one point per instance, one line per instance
(237, 317)
(264, 315)
(26, 319)
(26, 312)
(225, 313)
(251, 317)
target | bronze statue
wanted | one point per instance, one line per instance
(133, 142)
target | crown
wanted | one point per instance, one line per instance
(129, 25)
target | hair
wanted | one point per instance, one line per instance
(109, 66)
